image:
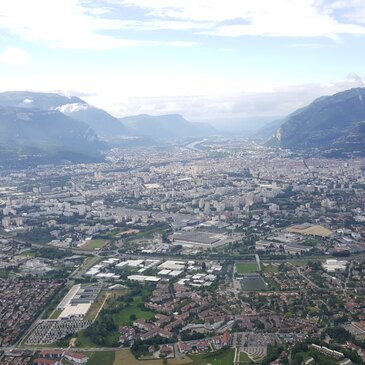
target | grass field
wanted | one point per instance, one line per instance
(102, 358)
(273, 285)
(244, 357)
(28, 253)
(94, 245)
(96, 306)
(86, 265)
(123, 317)
(102, 301)
(299, 263)
(125, 357)
(270, 268)
(147, 233)
(244, 268)
(119, 318)
(127, 232)
(55, 314)
(221, 357)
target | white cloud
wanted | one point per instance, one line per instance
(96, 24)
(68, 24)
(282, 18)
(14, 56)
(279, 101)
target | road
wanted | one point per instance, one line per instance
(306, 278)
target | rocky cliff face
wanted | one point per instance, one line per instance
(332, 124)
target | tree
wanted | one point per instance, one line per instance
(339, 334)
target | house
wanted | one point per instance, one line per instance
(166, 350)
(77, 358)
(127, 334)
(143, 325)
(222, 340)
(156, 332)
(193, 346)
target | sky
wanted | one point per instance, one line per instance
(208, 60)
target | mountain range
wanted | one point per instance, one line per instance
(164, 127)
(53, 125)
(333, 125)
(48, 127)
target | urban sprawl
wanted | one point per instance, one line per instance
(213, 252)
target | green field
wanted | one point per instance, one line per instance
(299, 263)
(273, 285)
(93, 245)
(28, 253)
(244, 357)
(125, 357)
(148, 232)
(270, 268)
(221, 357)
(102, 358)
(248, 267)
(83, 340)
(55, 314)
(87, 264)
(119, 317)
(123, 317)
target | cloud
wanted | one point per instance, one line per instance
(279, 101)
(14, 56)
(69, 24)
(110, 24)
(232, 18)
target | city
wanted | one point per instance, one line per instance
(182, 182)
(226, 247)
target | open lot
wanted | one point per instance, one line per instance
(307, 229)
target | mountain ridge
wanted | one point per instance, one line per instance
(325, 124)
(166, 126)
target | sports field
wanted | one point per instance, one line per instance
(253, 283)
(244, 268)
(94, 245)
